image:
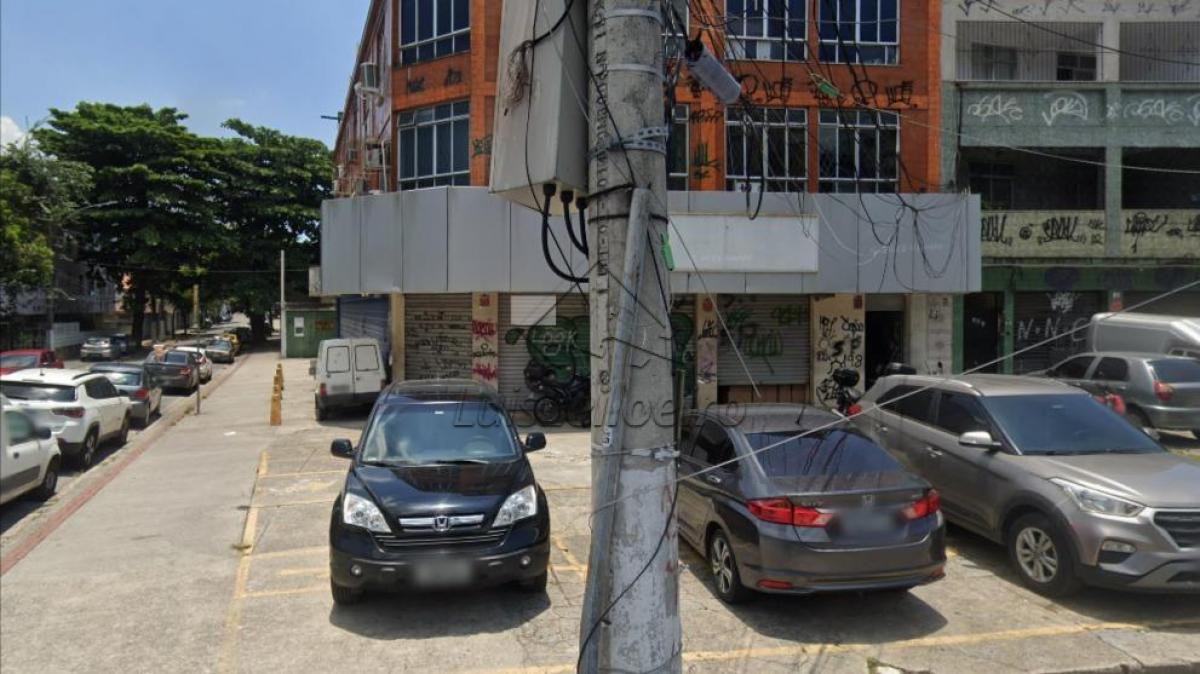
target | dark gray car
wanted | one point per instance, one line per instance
(142, 388)
(826, 512)
(175, 370)
(1075, 492)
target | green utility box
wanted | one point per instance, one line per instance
(306, 327)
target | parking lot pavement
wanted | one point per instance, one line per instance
(239, 572)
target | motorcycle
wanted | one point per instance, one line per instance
(846, 397)
(553, 402)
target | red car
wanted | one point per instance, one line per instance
(22, 359)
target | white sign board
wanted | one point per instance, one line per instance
(735, 243)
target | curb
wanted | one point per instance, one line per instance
(143, 442)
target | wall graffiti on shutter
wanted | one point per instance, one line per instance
(839, 345)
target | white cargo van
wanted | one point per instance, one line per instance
(348, 373)
(1145, 333)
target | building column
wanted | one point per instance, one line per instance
(485, 343)
(957, 366)
(1112, 199)
(396, 328)
(929, 328)
(707, 340)
(838, 341)
(1008, 331)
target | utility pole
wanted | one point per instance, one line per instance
(196, 306)
(282, 306)
(634, 550)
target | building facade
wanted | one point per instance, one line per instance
(845, 263)
(1078, 124)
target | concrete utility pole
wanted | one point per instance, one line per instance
(634, 551)
(282, 306)
(196, 306)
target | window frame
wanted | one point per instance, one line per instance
(412, 122)
(789, 48)
(889, 48)
(762, 128)
(704, 457)
(1096, 371)
(877, 122)
(1076, 67)
(1091, 360)
(985, 171)
(984, 62)
(943, 396)
(680, 116)
(411, 51)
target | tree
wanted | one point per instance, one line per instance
(39, 194)
(162, 220)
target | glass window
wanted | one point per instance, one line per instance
(1066, 424)
(772, 30)
(433, 28)
(859, 31)
(337, 359)
(675, 31)
(992, 62)
(678, 149)
(124, 378)
(916, 406)
(38, 392)
(768, 141)
(97, 389)
(993, 182)
(20, 428)
(1176, 370)
(432, 433)
(1075, 67)
(713, 445)
(434, 145)
(1075, 368)
(836, 452)
(686, 441)
(959, 413)
(858, 151)
(365, 357)
(18, 361)
(178, 358)
(1112, 369)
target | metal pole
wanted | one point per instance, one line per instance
(196, 305)
(282, 306)
(630, 619)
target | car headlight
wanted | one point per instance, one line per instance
(1099, 502)
(362, 512)
(520, 505)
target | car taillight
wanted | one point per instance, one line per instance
(854, 409)
(141, 394)
(186, 371)
(321, 391)
(927, 505)
(782, 511)
(1163, 391)
(72, 412)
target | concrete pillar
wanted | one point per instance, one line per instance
(1112, 198)
(929, 327)
(485, 342)
(957, 366)
(707, 340)
(1008, 332)
(396, 327)
(838, 341)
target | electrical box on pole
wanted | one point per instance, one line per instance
(540, 132)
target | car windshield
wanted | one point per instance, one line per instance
(431, 433)
(176, 358)
(18, 361)
(1066, 424)
(97, 341)
(218, 344)
(1176, 370)
(835, 452)
(38, 392)
(124, 378)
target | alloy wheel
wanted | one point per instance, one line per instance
(1036, 554)
(722, 565)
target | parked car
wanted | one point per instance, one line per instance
(134, 382)
(29, 456)
(102, 348)
(777, 513)
(82, 409)
(1145, 333)
(439, 494)
(219, 350)
(234, 340)
(202, 361)
(1160, 392)
(348, 372)
(175, 369)
(244, 334)
(1076, 493)
(22, 359)
(121, 342)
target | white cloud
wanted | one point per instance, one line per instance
(10, 132)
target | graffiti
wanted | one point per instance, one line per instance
(1140, 224)
(1037, 229)
(788, 315)
(754, 338)
(998, 106)
(967, 5)
(1171, 224)
(1061, 229)
(839, 345)
(773, 90)
(1057, 322)
(1062, 302)
(1073, 8)
(703, 116)
(481, 146)
(484, 345)
(1145, 7)
(900, 94)
(701, 163)
(453, 76)
(484, 372)
(1168, 112)
(1111, 7)
(1179, 6)
(483, 329)
(993, 228)
(1069, 104)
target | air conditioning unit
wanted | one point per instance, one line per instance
(375, 158)
(368, 77)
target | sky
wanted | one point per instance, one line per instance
(276, 63)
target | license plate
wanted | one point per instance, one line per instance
(867, 522)
(442, 573)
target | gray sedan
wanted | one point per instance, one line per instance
(134, 381)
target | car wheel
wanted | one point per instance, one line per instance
(49, 482)
(1138, 418)
(1196, 433)
(344, 596)
(87, 454)
(322, 413)
(534, 585)
(547, 411)
(123, 436)
(723, 565)
(1043, 556)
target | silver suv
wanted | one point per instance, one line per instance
(1076, 493)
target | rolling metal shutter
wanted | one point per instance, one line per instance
(437, 336)
(1042, 315)
(365, 317)
(1180, 304)
(569, 332)
(772, 333)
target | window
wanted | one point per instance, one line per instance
(1074, 368)
(993, 182)
(835, 452)
(20, 428)
(1066, 423)
(674, 41)
(1176, 371)
(770, 140)
(860, 31)
(433, 28)
(713, 445)
(337, 359)
(859, 151)
(1075, 67)
(100, 389)
(442, 432)
(1160, 51)
(365, 357)
(685, 436)
(770, 30)
(677, 150)
(434, 146)
(915, 406)
(38, 392)
(993, 62)
(1112, 369)
(959, 413)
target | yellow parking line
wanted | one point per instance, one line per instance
(289, 552)
(308, 473)
(568, 488)
(562, 547)
(306, 571)
(283, 593)
(326, 501)
(233, 615)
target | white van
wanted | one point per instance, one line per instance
(29, 455)
(348, 373)
(1145, 333)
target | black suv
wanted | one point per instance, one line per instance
(439, 495)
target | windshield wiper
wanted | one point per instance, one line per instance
(457, 462)
(384, 464)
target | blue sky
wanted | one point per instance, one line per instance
(277, 63)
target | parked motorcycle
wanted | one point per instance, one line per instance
(846, 397)
(553, 401)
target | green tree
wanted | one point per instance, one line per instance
(158, 176)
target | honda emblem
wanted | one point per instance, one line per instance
(441, 523)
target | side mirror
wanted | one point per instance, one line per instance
(42, 433)
(978, 439)
(535, 441)
(342, 447)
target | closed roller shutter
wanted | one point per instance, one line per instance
(437, 336)
(1180, 304)
(1044, 315)
(772, 333)
(563, 345)
(365, 317)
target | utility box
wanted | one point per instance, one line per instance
(540, 133)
